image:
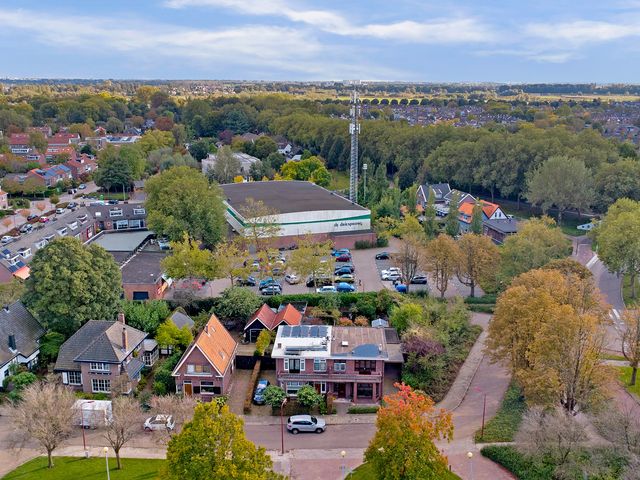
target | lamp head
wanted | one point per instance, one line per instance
(105, 449)
(470, 454)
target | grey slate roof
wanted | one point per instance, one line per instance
(19, 322)
(143, 268)
(181, 319)
(504, 225)
(133, 368)
(97, 341)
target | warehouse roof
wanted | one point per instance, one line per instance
(287, 196)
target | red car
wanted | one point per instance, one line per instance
(343, 258)
(44, 219)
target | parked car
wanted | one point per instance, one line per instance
(82, 186)
(113, 202)
(341, 251)
(348, 268)
(7, 239)
(266, 282)
(401, 288)
(163, 243)
(159, 422)
(60, 211)
(390, 270)
(72, 191)
(26, 228)
(319, 281)
(274, 289)
(327, 289)
(344, 258)
(277, 270)
(258, 396)
(33, 216)
(73, 206)
(345, 277)
(44, 219)
(255, 266)
(419, 280)
(383, 256)
(246, 282)
(305, 423)
(291, 279)
(345, 288)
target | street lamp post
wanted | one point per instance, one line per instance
(470, 455)
(282, 423)
(343, 468)
(106, 459)
(364, 171)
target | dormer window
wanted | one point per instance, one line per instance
(115, 212)
(25, 252)
(72, 225)
(62, 231)
(139, 211)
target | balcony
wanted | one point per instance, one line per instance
(329, 377)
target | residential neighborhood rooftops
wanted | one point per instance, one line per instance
(181, 319)
(19, 332)
(302, 341)
(504, 225)
(270, 319)
(123, 241)
(142, 268)
(286, 196)
(360, 342)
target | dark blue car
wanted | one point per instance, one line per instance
(258, 396)
(343, 287)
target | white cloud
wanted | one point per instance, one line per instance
(440, 31)
(581, 32)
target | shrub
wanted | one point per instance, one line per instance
(141, 384)
(308, 397)
(361, 410)
(479, 308)
(363, 244)
(274, 395)
(54, 199)
(488, 298)
(263, 342)
(522, 467)
(361, 321)
(366, 306)
(504, 425)
(252, 386)
(382, 241)
(159, 388)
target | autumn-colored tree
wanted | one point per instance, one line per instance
(408, 425)
(41, 206)
(549, 329)
(261, 225)
(213, 445)
(6, 221)
(310, 258)
(170, 335)
(409, 254)
(232, 260)
(631, 341)
(189, 259)
(440, 259)
(569, 266)
(479, 257)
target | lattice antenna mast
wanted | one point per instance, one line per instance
(354, 131)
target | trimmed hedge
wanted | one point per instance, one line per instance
(359, 410)
(364, 244)
(479, 308)
(252, 386)
(488, 298)
(522, 467)
(506, 422)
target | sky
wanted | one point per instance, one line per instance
(514, 41)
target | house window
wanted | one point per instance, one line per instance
(121, 224)
(115, 212)
(365, 366)
(139, 211)
(99, 367)
(339, 366)
(135, 223)
(62, 231)
(198, 369)
(294, 365)
(319, 365)
(208, 388)
(293, 387)
(322, 386)
(365, 390)
(75, 378)
(99, 385)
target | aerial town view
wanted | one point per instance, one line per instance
(319, 240)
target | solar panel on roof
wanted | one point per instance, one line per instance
(20, 264)
(13, 268)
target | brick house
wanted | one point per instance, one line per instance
(266, 318)
(123, 216)
(20, 335)
(142, 277)
(490, 211)
(50, 176)
(347, 362)
(102, 357)
(81, 165)
(206, 367)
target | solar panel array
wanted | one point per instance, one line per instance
(304, 331)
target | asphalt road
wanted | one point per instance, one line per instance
(336, 436)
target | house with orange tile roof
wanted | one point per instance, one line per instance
(490, 211)
(266, 318)
(206, 367)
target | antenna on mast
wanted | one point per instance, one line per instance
(354, 131)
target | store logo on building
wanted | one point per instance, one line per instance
(347, 224)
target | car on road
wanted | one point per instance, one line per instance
(305, 423)
(274, 289)
(26, 228)
(6, 239)
(246, 282)
(33, 216)
(419, 279)
(345, 277)
(327, 289)
(343, 258)
(383, 256)
(60, 211)
(255, 266)
(348, 268)
(345, 288)
(159, 422)
(44, 219)
(391, 276)
(258, 396)
(82, 186)
(401, 288)
(291, 279)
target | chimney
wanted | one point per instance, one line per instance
(206, 328)
(121, 318)
(12, 342)
(125, 343)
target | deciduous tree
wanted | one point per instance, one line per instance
(479, 258)
(232, 260)
(430, 221)
(451, 221)
(124, 425)
(213, 445)
(441, 258)
(237, 303)
(631, 341)
(189, 259)
(408, 425)
(169, 334)
(311, 258)
(409, 255)
(476, 219)
(226, 166)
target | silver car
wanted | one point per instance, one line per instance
(305, 423)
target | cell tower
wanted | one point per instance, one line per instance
(354, 131)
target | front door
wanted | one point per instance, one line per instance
(341, 389)
(187, 389)
(317, 387)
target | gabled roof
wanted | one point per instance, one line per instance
(215, 343)
(290, 315)
(16, 320)
(270, 319)
(180, 318)
(264, 315)
(98, 341)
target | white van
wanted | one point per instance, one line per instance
(92, 413)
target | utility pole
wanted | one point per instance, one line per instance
(354, 131)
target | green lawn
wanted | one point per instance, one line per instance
(626, 291)
(610, 356)
(339, 180)
(68, 468)
(505, 424)
(365, 472)
(624, 375)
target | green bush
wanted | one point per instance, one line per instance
(521, 466)
(488, 298)
(308, 397)
(159, 388)
(363, 244)
(479, 308)
(382, 241)
(362, 410)
(252, 386)
(274, 395)
(263, 342)
(505, 424)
